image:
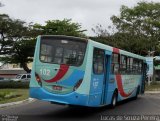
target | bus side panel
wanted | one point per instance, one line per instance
(131, 82)
(129, 86)
(84, 88)
(111, 87)
(96, 90)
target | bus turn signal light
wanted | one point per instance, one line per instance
(38, 79)
(77, 85)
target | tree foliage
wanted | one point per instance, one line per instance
(17, 38)
(142, 23)
(16, 41)
(138, 28)
(5, 30)
(60, 27)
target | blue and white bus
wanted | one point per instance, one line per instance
(76, 71)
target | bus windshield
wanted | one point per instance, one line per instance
(62, 51)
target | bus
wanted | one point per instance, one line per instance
(77, 71)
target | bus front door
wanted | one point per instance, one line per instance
(100, 75)
(107, 61)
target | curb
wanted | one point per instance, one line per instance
(152, 92)
(16, 103)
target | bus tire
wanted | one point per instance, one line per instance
(137, 92)
(114, 99)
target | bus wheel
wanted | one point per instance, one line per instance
(137, 92)
(114, 100)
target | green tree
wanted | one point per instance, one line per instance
(142, 25)
(21, 53)
(5, 30)
(137, 29)
(60, 27)
(17, 41)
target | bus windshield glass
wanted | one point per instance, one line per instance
(62, 51)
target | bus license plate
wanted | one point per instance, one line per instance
(57, 88)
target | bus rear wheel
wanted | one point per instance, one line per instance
(114, 100)
(137, 92)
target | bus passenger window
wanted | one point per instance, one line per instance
(140, 67)
(115, 63)
(135, 66)
(128, 65)
(131, 65)
(98, 61)
(123, 64)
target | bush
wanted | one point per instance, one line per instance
(20, 85)
(154, 86)
(8, 95)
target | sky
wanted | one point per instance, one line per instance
(88, 13)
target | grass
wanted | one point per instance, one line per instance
(13, 95)
(154, 86)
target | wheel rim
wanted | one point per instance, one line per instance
(114, 101)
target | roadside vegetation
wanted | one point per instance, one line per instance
(13, 91)
(14, 85)
(13, 95)
(154, 86)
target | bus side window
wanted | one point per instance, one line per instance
(128, 65)
(123, 64)
(98, 61)
(115, 63)
(131, 65)
(135, 66)
(140, 67)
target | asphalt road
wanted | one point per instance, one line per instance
(146, 107)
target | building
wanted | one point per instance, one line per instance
(11, 70)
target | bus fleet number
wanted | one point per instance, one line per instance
(45, 72)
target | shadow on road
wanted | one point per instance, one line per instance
(77, 112)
